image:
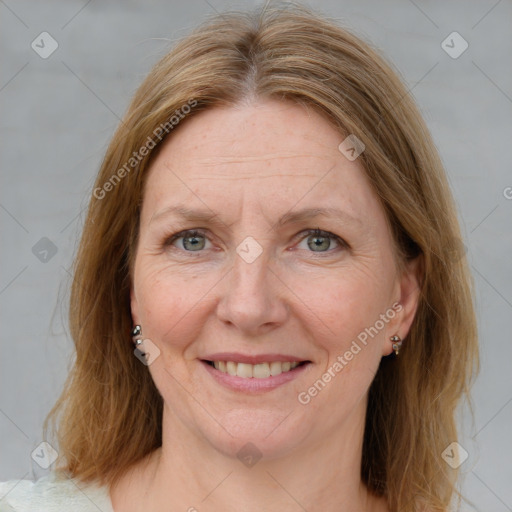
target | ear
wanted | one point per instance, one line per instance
(409, 287)
(134, 306)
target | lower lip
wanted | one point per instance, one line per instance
(253, 384)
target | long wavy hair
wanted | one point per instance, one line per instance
(109, 415)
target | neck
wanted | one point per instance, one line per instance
(190, 474)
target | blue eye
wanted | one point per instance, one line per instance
(318, 239)
(195, 240)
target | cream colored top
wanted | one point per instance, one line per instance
(53, 494)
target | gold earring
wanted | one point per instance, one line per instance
(397, 343)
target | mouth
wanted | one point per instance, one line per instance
(263, 370)
(262, 376)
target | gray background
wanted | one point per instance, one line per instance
(59, 113)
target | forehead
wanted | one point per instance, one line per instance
(264, 153)
(261, 136)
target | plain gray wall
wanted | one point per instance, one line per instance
(59, 113)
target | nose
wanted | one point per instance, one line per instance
(253, 298)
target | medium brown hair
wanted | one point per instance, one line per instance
(109, 414)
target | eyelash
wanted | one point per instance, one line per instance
(309, 232)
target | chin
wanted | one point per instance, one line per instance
(260, 434)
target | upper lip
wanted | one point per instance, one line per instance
(252, 359)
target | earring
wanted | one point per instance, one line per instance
(137, 337)
(397, 343)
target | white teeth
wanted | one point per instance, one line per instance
(244, 370)
(260, 371)
(231, 367)
(257, 371)
(275, 368)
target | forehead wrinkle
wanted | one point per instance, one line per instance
(225, 174)
(221, 160)
(247, 176)
(172, 166)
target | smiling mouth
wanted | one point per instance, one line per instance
(255, 371)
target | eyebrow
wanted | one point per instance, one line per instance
(291, 217)
(294, 217)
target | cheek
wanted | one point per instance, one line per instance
(347, 301)
(346, 309)
(347, 324)
(168, 301)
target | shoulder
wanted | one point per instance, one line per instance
(53, 493)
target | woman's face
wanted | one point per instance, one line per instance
(252, 285)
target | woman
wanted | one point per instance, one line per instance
(270, 306)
